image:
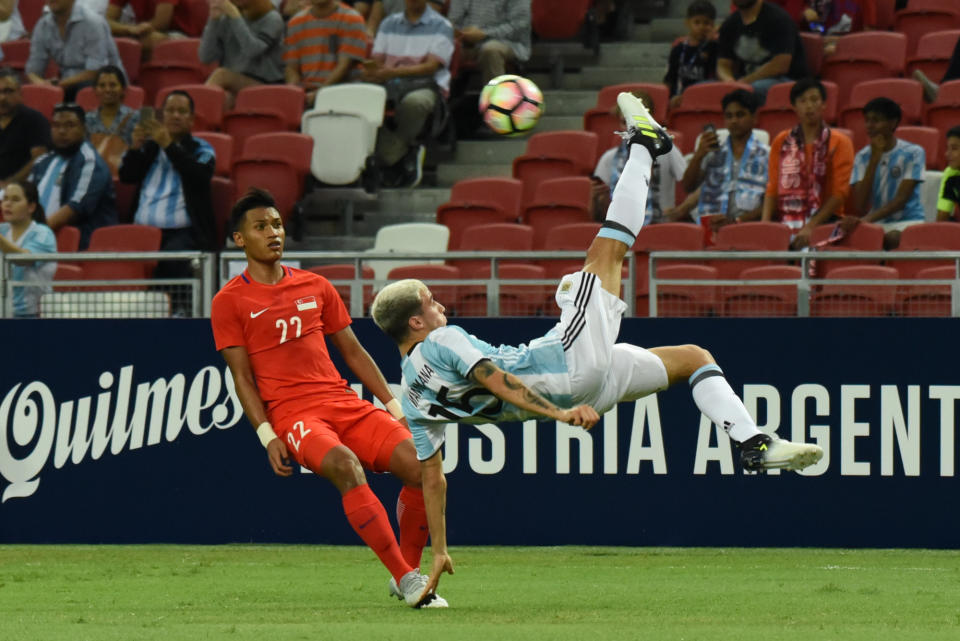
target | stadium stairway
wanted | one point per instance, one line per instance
(641, 59)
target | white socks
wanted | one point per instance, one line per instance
(717, 400)
(629, 205)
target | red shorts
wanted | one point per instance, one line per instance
(314, 428)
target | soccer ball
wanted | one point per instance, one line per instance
(511, 105)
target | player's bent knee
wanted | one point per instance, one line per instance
(342, 467)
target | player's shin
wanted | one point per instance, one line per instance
(369, 520)
(629, 205)
(717, 400)
(412, 517)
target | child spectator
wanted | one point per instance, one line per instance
(950, 184)
(694, 59)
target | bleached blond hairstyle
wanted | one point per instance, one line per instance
(395, 304)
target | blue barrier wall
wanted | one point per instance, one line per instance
(88, 454)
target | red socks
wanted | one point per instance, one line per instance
(369, 520)
(412, 517)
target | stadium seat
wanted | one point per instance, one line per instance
(30, 12)
(868, 55)
(500, 237)
(347, 271)
(43, 98)
(925, 16)
(515, 300)
(908, 93)
(180, 50)
(460, 216)
(762, 300)
(446, 294)
(264, 109)
(222, 147)
(131, 52)
(155, 76)
(126, 200)
(686, 300)
(661, 237)
(701, 104)
(133, 98)
(863, 237)
(928, 300)
(933, 54)
(287, 146)
(122, 238)
(345, 118)
(749, 236)
(558, 201)
(936, 236)
(68, 239)
(558, 19)
(856, 299)
(407, 238)
(777, 113)
(207, 101)
(813, 49)
(502, 191)
(928, 138)
(886, 12)
(222, 194)
(67, 271)
(944, 113)
(15, 53)
(279, 177)
(571, 237)
(555, 154)
(573, 189)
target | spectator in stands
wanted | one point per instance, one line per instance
(375, 12)
(667, 170)
(411, 58)
(694, 59)
(290, 8)
(156, 20)
(950, 183)
(324, 46)
(887, 173)
(245, 38)
(77, 39)
(495, 33)
(23, 231)
(173, 170)
(24, 132)
(11, 25)
(930, 88)
(73, 180)
(760, 45)
(732, 177)
(810, 167)
(112, 117)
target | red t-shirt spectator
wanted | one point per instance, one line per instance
(189, 16)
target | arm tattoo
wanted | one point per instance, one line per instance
(511, 382)
(535, 399)
(482, 371)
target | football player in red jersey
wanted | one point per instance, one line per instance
(271, 325)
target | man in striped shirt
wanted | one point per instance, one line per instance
(411, 58)
(324, 46)
(73, 181)
(495, 33)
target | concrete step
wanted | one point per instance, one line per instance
(495, 151)
(634, 54)
(401, 201)
(447, 175)
(569, 103)
(594, 78)
(668, 29)
(560, 123)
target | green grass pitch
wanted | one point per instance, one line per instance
(269, 593)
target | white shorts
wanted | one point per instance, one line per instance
(602, 371)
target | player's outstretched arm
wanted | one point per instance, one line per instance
(360, 362)
(435, 501)
(239, 363)
(509, 388)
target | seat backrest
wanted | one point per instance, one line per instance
(926, 137)
(222, 148)
(424, 271)
(295, 148)
(207, 101)
(577, 146)
(572, 237)
(670, 236)
(351, 135)
(276, 176)
(771, 272)
(558, 19)
(286, 99)
(755, 235)
(920, 18)
(937, 45)
(865, 236)
(778, 97)
(125, 238)
(43, 98)
(813, 50)
(361, 99)
(569, 190)
(708, 95)
(507, 192)
(412, 237)
(887, 48)
(908, 93)
(176, 50)
(607, 97)
(460, 217)
(68, 239)
(864, 272)
(497, 236)
(931, 236)
(948, 95)
(131, 51)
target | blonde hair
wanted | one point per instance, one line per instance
(395, 304)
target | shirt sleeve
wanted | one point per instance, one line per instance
(916, 165)
(334, 313)
(451, 347)
(42, 241)
(39, 55)
(227, 329)
(859, 166)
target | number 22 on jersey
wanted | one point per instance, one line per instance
(283, 326)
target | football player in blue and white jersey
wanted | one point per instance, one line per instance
(575, 372)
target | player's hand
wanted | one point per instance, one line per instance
(279, 458)
(441, 563)
(582, 415)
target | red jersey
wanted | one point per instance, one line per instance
(189, 16)
(282, 327)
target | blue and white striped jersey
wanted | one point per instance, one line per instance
(437, 390)
(906, 161)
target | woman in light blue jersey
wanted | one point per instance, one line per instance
(24, 231)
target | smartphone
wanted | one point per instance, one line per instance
(709, 128)
(147, 113)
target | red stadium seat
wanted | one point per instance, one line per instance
(944, 113)
(507, 193)
(777, 113)
(749, 236)
(155, 76)
(15, 53)
(856, 300)
(661, 237)
(208, 104)
(43, 98)
(762, 300)
(179, 50)
(30, 12)
(555, 154)
(515, 300)
(223, 148)
(278, 177)
(570, 237)
(863, 237)
(122, 238)
(686, 300)
(460, 216)
(543, 217)
(558, 19)
(67, 271)
(928, 138)
(933, 53)
(923, 17)
(493, 237)
(68, 239)
(429, 274)
(936, 236)
(701, 104)
(346, 271)
(908, 93)
(295, 148)
(222, 195)
(886, 13)
(576, 190)
(130, 54)
(264, 109)
(133, 97)
(813, 48)
(928, 300)
(869, 55)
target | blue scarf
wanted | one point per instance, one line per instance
(718, 182)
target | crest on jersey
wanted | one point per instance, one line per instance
(310, 302)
